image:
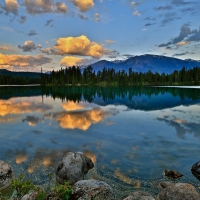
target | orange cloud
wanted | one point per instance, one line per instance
(11, 6)
(83, 5)
(81, 120)
(71, 106)
(23, 61)
(12, 107)
(34, 7)
(91, 155)
(182, 43)
(71, 61)
(79, 46)
(21, 158)
(4, 48)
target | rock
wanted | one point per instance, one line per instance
(139, 195)
(195, 169)
(172, 174)
(30, 196)
(92, 190)
(73, 167)
(179, 191)
(6, 175)
(165, 184)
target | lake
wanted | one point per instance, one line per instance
(131, 134)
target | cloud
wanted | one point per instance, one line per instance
(32, 32)
(34, 7)
(48, 22)
(61, 7)
(82, 17)
(195, 36)
(32, 120)
(81, 120)
(83, 5)
(163, 8)
(14, 106)
(4, 48)
(185, 36)
(22, 19)
(23, 61)
(110, 42)
(136, 13)
(69, 61)
(11, 6)
(181, 54)
(182, 43)
(169, 17)
(128, 55)
(97, 17)
(72, 106)
(180, 2)
(28, 46)
(149, 24)
(79, 46)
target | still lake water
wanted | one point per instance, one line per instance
(132, 134)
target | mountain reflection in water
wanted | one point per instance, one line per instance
(131, 134)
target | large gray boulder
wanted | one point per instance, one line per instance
(195, 169)
(73, 167)
(92, 190)
(139, 195)
(6, 175)
(178, 191)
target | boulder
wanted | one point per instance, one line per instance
(195, 169)
(73, 167)
(139, 195)
(92, 190)
(172, 174)
(6, 175)
(179, 191)
(30, 196)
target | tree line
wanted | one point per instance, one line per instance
(106, 77)
(111, 77)
(18, 80)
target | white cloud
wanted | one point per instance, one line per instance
(136, 13)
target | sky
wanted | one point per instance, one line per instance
(61, 33)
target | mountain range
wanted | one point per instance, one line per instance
(141, 63)
(146, 62)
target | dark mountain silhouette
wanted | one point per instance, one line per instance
(20, 74)
(147, 62)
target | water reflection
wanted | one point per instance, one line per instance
(81, 120)
(131, 134)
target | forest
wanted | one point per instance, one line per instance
(111, 77)
(106, 77)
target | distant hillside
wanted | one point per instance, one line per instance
(147, 62)
(20, 74)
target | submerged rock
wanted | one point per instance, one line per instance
(195, 169)
(92, 190)
(172, 174)
(179, 191)
(73, 167)
(139, 195)
(6, 175)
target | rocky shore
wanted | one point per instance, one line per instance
(74, 166)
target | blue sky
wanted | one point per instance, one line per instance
(58, 33)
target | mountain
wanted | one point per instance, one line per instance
(146, 62)
(20, 74)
